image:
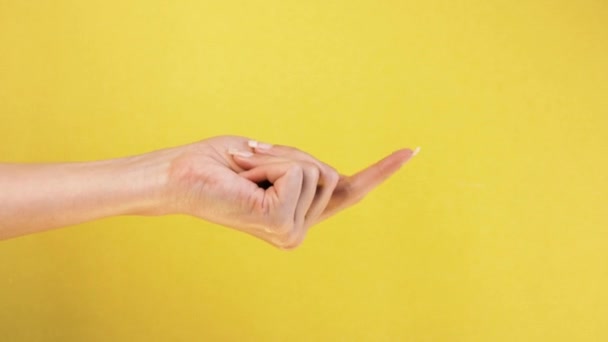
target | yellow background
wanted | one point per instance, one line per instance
(497, 231)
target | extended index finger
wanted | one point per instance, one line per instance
(369, 178)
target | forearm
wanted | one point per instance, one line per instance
(38, 197)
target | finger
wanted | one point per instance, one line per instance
(310, 179)
(284, 224)
(291, 153)
(286, 178)
(351, 190)
(323, 196)
(248, 160)
(309, 189)
(328, 177)
(272, 238)
(311, 175)
(310, 182)
(369, 178)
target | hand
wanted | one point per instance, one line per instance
(275, 193)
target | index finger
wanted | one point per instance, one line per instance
(369, 178)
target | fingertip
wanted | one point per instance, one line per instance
(403, 155)
(404, 152)
(416, 151)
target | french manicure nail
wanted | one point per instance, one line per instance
(259, 145)
(238, 153)
(416, 151)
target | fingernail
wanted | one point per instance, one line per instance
(416, 151)
(259, 145)
(238, 153)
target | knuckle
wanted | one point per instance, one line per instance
(295, 169)
(282, 227)
(291, 242)
(282, 230)
(290, 247)
(287, 236)
(278, 243)
(311, 170)
(349, 190)
(331, 177)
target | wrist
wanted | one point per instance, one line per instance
(145, 180)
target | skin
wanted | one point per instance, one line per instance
(219, 179)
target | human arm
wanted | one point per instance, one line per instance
(216, 179)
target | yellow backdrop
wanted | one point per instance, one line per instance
(497, 231)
